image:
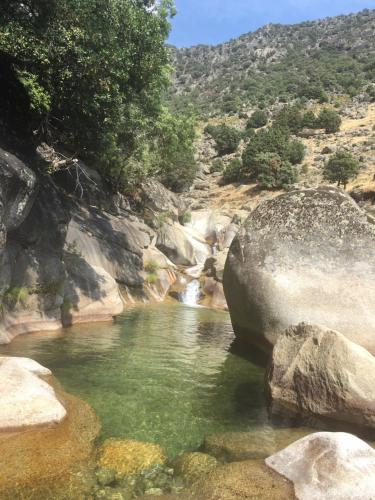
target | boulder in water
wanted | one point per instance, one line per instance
(128, 457)
(328, 465)
(194, 466)
(316, 371)
(25, 399)
(307, 255)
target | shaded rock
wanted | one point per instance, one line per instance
(327, 465)
(33, 273)
(249, 479)
(193, 466)
(317, 371)
(156, 198)
(90, 293)
(290, 259)
(26, 400)
(128, 457)
(112, 243)
(17, 190)
(237, 446)
(214, 294)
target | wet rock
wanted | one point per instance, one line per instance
(49, 461)
(328, 465)
(317, 371)
(307, 255)
(238, 446)
(127, 457)
(25, 399)
(193, 466)
(247, 480)
(105, 477)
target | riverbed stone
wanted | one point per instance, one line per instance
(306, 255)
(128, 457)
(318, 372)
(249, 479)
(53, 461)
(25, 399)
(328, 465)
(257, 444)
(193, 466)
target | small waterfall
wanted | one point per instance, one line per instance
(190, 296)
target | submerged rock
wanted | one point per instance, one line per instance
(193, 466)
(25, 399)
(237, 446)
(307, 255)
(50, 462)
(328, 465)
(127, 457)
(317, 371)
(249, 480)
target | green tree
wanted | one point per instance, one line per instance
(226, 138)
(233, 171)
(290, 117)
(90, 73)
(273, 140)
(173, 150)
(330, 120)
(295, 152)
(341, 168)
(258, 119)
(271, 171)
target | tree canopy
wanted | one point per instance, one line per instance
(87, 74)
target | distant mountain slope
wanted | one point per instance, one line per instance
(312, 59)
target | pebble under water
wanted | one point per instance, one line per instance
(161, 374)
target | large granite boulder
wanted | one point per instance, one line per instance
(182, 245)
(307, 255)
(316, 371)
(325, 466)
(25, 399)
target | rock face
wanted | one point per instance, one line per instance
(183, 246)
(307, 255)
(25, 399)
(319, 372)
(328, 466)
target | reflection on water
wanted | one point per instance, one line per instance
(162, 374)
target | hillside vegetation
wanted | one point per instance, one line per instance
(318, 60)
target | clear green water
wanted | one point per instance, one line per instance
(162, 374)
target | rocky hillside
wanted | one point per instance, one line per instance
(312, 59)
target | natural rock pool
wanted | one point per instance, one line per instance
(162, 374)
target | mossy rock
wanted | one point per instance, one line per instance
(193, 466)
(127, 457)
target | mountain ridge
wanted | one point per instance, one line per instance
(274, 61)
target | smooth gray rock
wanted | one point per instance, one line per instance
(307, 255)
(315, 371)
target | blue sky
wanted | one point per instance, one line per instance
(216, 21)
